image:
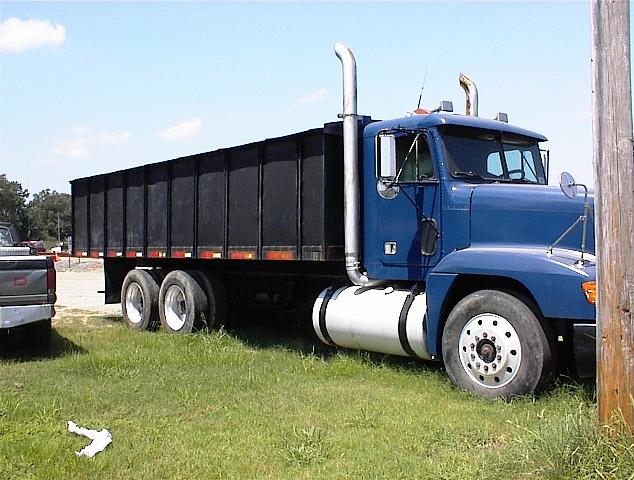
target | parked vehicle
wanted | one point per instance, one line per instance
(27, 290)
(433, 236)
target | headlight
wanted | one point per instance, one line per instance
(590, 289)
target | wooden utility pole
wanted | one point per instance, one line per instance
(614, 209)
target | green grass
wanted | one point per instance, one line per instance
(267, 401)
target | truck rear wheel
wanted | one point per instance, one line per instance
(37, 335)
(494, 345)
(139, 300)
(182, 303)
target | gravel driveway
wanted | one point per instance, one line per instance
(78, 282)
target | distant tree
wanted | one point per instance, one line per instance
(49, 215)
(13, 204)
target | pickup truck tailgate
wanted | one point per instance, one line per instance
(23, 281)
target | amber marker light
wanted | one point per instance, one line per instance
(590, 289)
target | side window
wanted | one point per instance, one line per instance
(520, 165)
(513, 163)
(413, 159)
(494, 164)
(5, 237)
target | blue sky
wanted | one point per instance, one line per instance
(137, 82)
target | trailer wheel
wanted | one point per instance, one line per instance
(494, 345)
(182, 303)
(37, 335)
(139, 300)
(216, 313)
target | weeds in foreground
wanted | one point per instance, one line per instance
(573, 447)
(306, 446)
(255, 403)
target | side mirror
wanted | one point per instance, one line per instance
(387, 156)
(428, 236)
(386, 166)
(568, 185)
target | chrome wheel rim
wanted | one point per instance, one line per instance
(490, 350)
(175, 307)
(134, 302)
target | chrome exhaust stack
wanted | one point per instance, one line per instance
(352, 233)
(471, 91)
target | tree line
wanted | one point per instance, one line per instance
(45, 217)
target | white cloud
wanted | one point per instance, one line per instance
(313, 97)
(73, 148)
(19, 35)
(186, 129)
(82, 140)
(113, 138)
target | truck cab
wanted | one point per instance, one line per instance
(458, 202)
(432, 166)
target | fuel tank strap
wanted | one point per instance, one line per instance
(402, 322)
(322, 315)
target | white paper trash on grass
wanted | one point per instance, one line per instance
(100, 439)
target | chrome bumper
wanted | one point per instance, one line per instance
(16, 316)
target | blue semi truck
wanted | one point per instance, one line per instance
(433, 236)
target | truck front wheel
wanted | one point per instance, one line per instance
(139, 300)
(182, 303)
(494, 345)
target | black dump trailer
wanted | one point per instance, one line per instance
(261, 222)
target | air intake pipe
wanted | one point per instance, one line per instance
(471, 91)
(351, 211)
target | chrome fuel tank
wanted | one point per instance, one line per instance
(381, 319)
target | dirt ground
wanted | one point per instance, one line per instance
(78, 282)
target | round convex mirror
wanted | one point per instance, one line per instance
(386, 190)
(568, 185)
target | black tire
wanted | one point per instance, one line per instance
(182, 303)
(495, 345)
(37, 335)
(216, 313)
(139, 300)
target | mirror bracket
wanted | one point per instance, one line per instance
(570, 189)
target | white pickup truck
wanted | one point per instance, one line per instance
(27, 291)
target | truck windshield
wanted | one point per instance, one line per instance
(483, 155)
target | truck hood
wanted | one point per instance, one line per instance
(530, 215)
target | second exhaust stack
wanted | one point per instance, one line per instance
(471, 91)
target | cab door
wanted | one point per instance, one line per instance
(407, 205)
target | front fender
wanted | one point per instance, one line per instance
(554, 280)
